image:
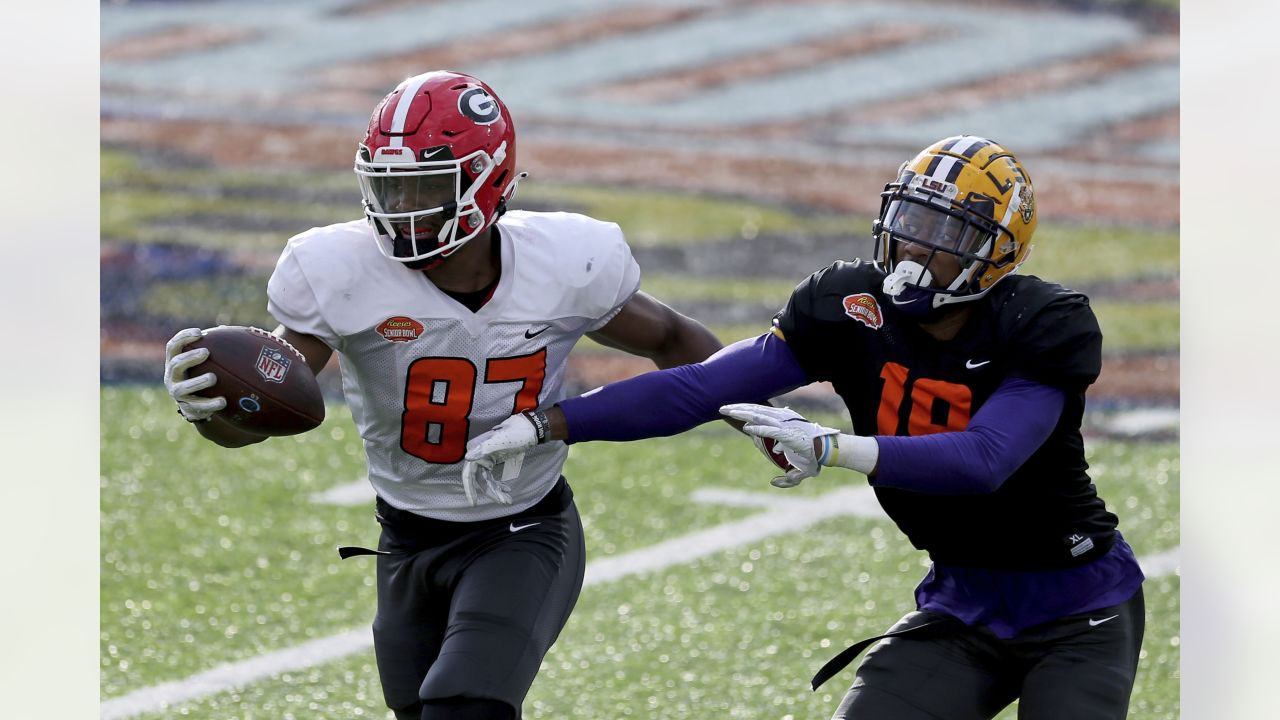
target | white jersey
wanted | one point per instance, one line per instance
(423, 374)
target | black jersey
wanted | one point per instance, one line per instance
(898, 380)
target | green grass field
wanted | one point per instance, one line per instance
(212, 556)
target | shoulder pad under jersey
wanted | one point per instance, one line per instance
(568, 265)
(313, 267)
(1049, 332)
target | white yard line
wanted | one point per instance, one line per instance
(356, 492)
(237, 674)
(782, 515)
(1163, 563)
(1141, 421)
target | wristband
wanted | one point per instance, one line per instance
(541, 426)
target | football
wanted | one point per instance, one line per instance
(269, 388)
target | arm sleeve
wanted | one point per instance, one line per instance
(1006, 431)
(669, 402)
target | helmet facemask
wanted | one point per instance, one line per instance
(946, 237)
(424, 211)
(436, 166)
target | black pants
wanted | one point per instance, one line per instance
(470, 609)
(1081, 666)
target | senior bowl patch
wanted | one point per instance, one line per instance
(272, 364)
(400, 329)
(864, 308)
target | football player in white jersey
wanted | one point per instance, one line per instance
(449, 314)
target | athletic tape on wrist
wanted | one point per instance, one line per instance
(854, 452)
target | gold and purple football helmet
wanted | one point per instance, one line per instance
(965, 197)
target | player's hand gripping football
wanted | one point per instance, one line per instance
(773, 452)
(790, 430)
(504, 445)
(181, 388)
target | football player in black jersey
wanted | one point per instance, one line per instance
(965, 383)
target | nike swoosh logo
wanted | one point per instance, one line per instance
(518, 528)
(974, 365)
(427, 154)
(1095, 623)
(531, 333)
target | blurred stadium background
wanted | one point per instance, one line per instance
(741, 144)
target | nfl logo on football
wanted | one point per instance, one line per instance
(272, 364)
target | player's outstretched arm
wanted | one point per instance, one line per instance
(1002, 435)
(649, 328)
(655, 404)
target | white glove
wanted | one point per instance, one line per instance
(792, 432)
(182, 389)
(505, 444)
(481, 481)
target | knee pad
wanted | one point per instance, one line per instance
(461, 708)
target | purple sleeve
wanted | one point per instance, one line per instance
(1013, 423)
(668, 402)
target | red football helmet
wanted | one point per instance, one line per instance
(437, 166)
